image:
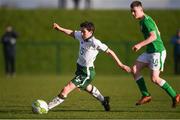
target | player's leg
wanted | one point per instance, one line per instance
(175, 64)
(156, 66)
(96, 93)
(138, 66)
(62, 95)
(142, 62)
(7, 63)
(12, 65)
(164, 85)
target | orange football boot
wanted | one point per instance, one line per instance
(144, 100)
(176, 101)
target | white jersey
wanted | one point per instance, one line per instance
(88, 50)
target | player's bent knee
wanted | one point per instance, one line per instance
(134, 70)
(62, 96)
(155, 79)
(65, 91)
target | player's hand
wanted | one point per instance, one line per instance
(126, 68)
(136, 47)
(56, 26)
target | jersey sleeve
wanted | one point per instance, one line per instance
(150, 26)
(77, 35)
(100, 46)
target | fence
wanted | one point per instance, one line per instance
(60, 58)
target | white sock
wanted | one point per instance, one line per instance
(97, 94)
(55, 102)
(162, 83)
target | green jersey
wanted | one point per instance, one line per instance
(148, 25)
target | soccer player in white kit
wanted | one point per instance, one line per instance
(89, 49)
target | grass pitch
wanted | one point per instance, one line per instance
(17, 95)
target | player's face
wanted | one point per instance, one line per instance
(179, 34)
(85, 33)
(137, 12)
(9, 29)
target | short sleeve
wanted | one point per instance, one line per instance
(150, 26)
(77, 35)
(100, 46)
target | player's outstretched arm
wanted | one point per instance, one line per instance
(64, 30)
(119, 63)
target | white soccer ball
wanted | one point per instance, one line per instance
(40, 107)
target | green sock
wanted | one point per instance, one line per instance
(170, 91)
(142, 87)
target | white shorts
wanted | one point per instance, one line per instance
(155, 60)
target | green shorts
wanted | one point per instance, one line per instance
(84, 76)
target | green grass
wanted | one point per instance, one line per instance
(17, 95)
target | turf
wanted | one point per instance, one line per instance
(17, 95)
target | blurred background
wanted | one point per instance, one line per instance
(42, 50)
(93, 4)
(41, 60)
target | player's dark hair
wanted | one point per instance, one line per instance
(88, 25)
(136, 4)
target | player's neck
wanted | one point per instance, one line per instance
(87, 39)
(142, 16)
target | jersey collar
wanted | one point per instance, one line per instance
(89, 39)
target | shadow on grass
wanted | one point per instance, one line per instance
(135, 111)
(28, 110)
(16, 111)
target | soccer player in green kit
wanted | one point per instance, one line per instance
(153, 58)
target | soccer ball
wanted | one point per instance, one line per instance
(40, 107)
